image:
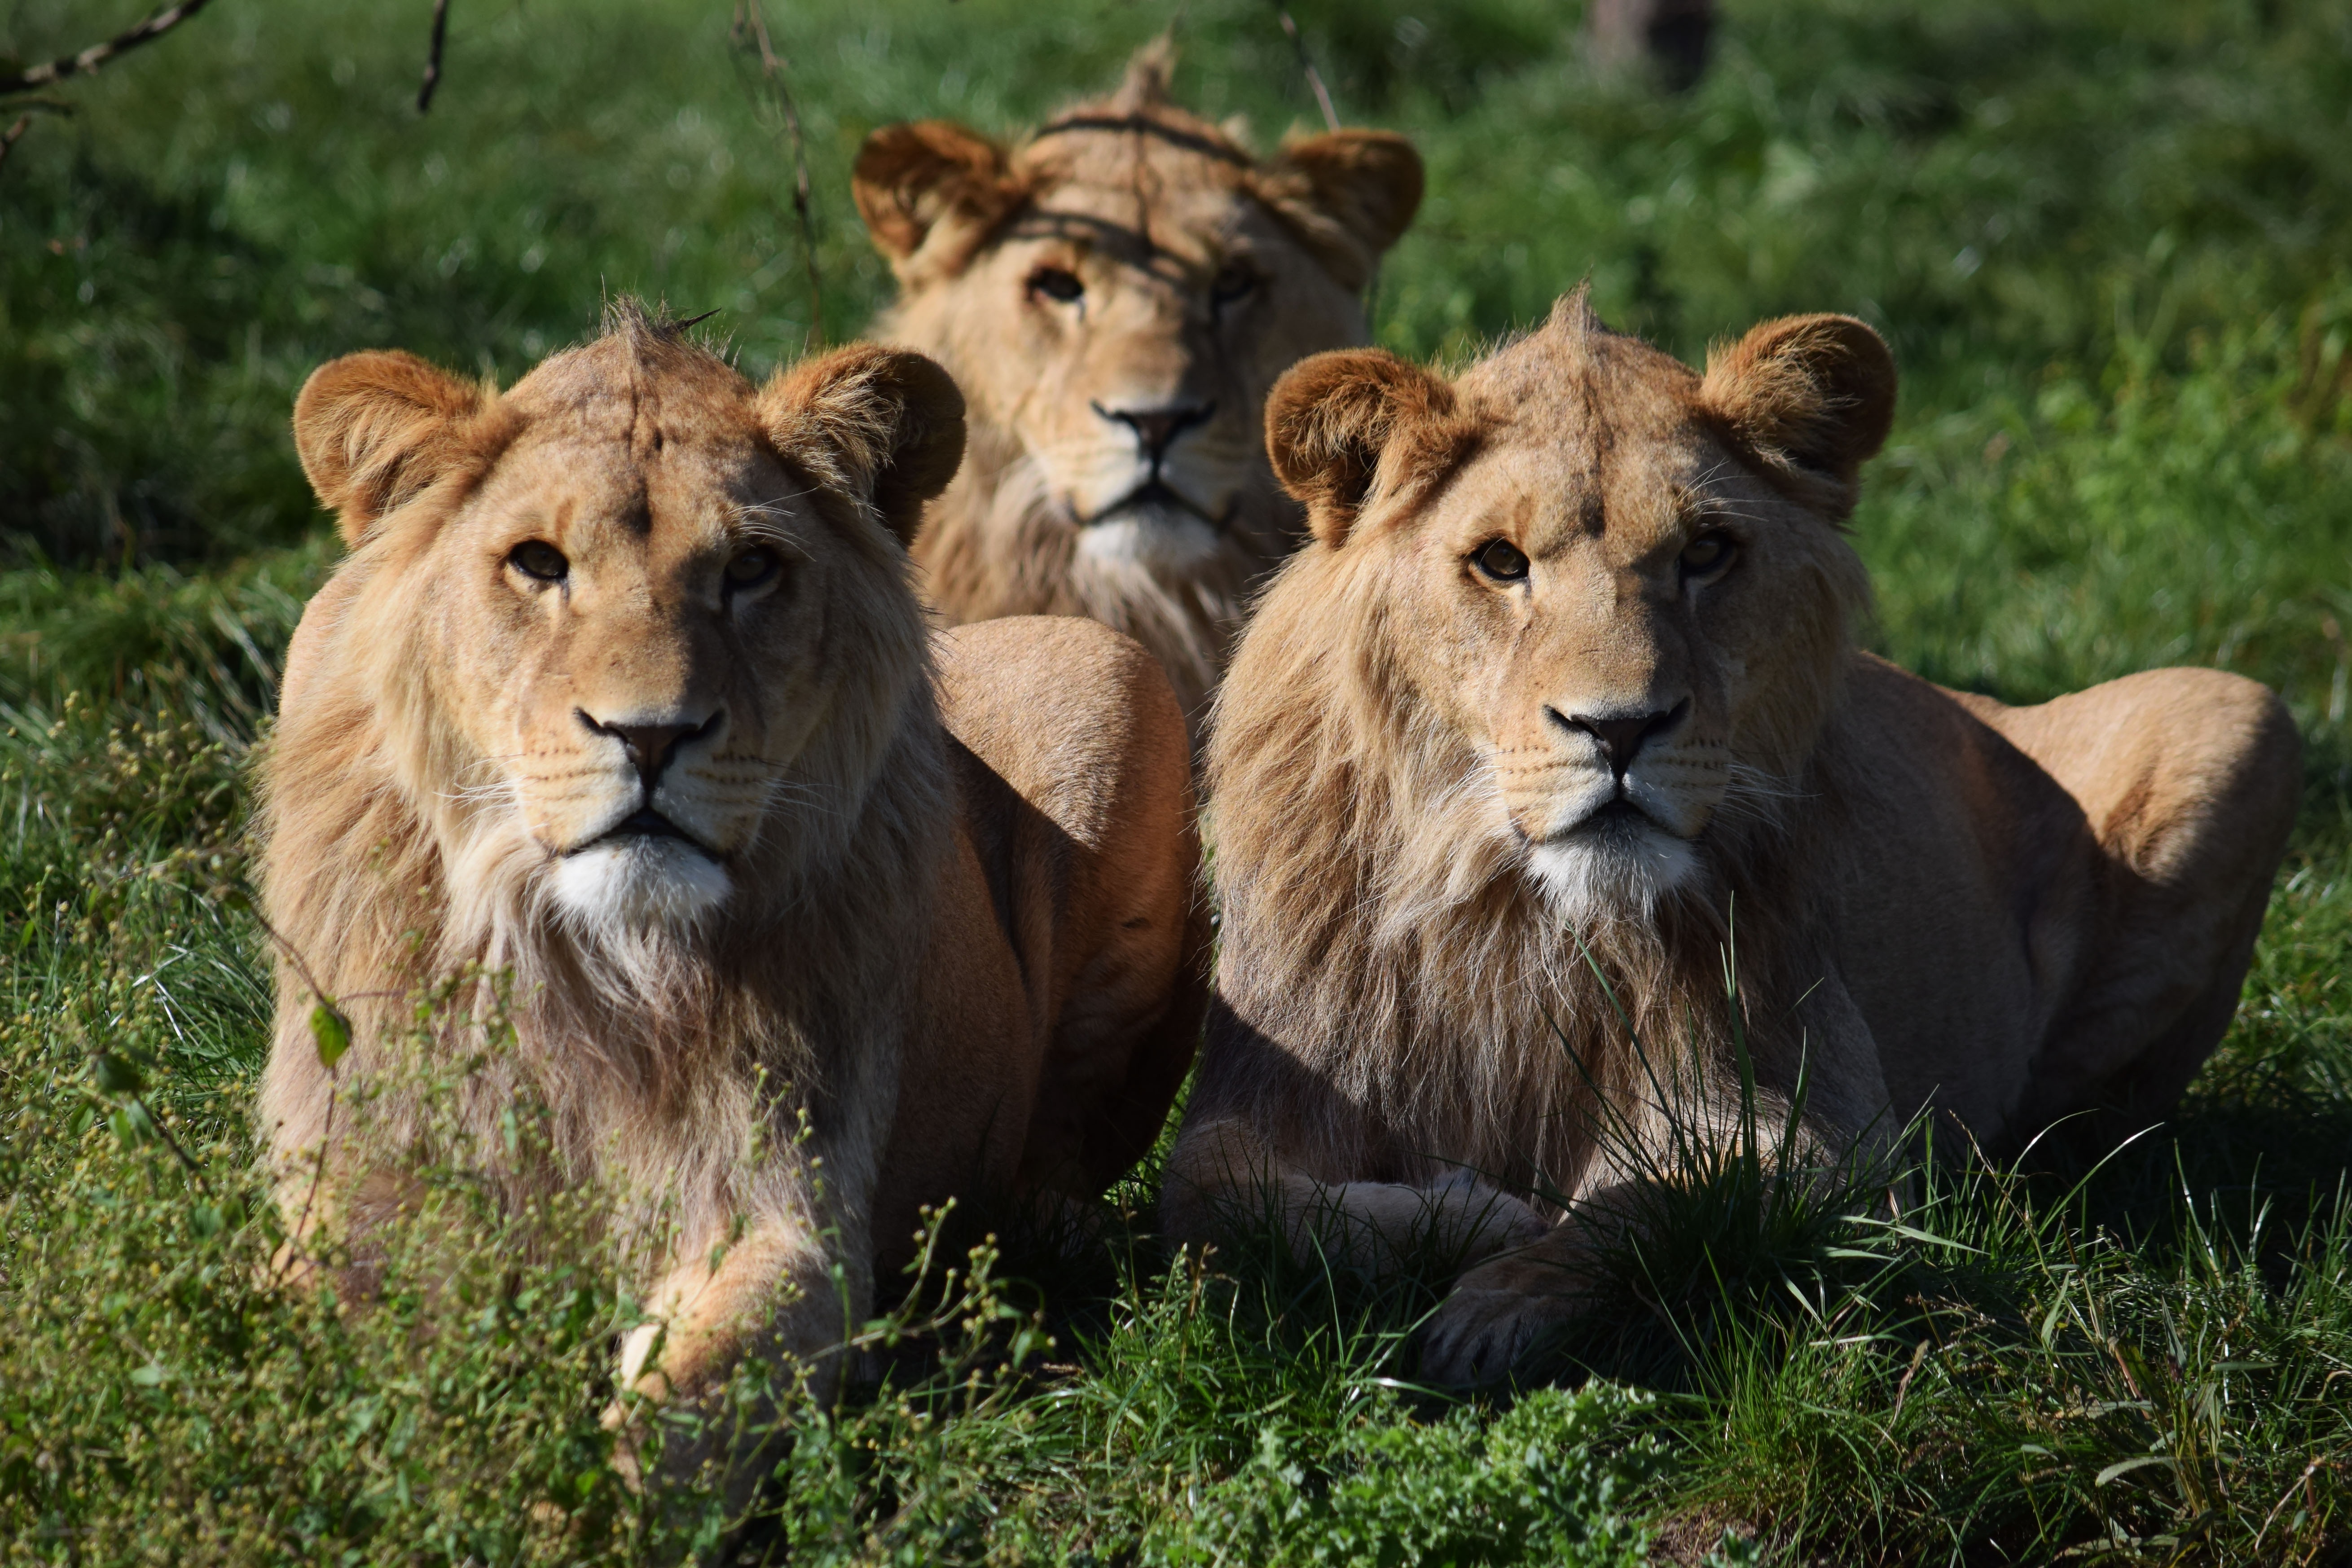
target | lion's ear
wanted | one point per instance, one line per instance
(883, 423)
(1811, 393)
(1332, 419)
(910, 176)
(1348, 195)
(1370, 180)
(375, 428)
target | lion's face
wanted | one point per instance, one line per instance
(1127, 353)
(661, 627)
(1618, 593)
(656, 636)
(1115, 296)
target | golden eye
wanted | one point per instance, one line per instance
(1708, 554)
(752, 568)
(1058, 283)
(1502, 560)
(1233, 283)
(536, 558)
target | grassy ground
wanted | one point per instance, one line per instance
(2108, 240)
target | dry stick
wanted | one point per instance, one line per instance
(294, 1249)
(97, 55)
(773, 66)
(9, 138)
(1330, 122)
(433, 55)
(334, 1078)
(1307, 64)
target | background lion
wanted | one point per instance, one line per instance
(624, 688)
(1561, 702)
(1115, 296)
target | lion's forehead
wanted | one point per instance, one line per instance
(580, 481)
(1194, 227)
(1621, 492)
(1169, 158)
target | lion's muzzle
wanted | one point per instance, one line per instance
(1607, 801)
(651, 841)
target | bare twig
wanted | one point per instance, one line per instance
(186, 1160)
(97, 55)
(293, 1251)
(1307, 65)
(433, 55)
(293, 955)
(327, 1131)
(751, 21)
(9, 137)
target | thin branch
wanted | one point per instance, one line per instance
(327, 1131)
(193, 1170)
(1307, 65)
(97, 55)
(293, 1248)
(749, 18)
(9, 137)
(433, 55)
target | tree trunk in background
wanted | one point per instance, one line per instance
(1672, 34)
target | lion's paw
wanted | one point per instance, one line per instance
(1489, 1219)
(1490, 1318)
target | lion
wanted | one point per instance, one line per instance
(1115, 295)
(1559, 713)
(813, 916)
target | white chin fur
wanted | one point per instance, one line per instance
(639, 884)
(1619, 872)
(1165, 541)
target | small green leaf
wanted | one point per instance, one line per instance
(333, 1033)
(115, 1075)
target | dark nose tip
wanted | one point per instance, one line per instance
(650, 747)
(1622, 737)
(1156, 429)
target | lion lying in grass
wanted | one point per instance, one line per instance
(1115, 296)
(1560, 704)
(623, 688)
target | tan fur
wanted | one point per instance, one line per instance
(1438, 891)
(1148, 209)
(987, 881)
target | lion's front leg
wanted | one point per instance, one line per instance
(1224, 1178)
(772, 1294)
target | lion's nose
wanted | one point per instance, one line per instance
(1621, 737)
(1156, 429)
(650, 747)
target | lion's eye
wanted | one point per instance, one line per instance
(1058, 283)
(1503, 561)
(752, 568)
(1233, 283)
(537, 558)
(1706, 554)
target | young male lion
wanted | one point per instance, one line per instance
(623, 688)
(1115, 296)
(1559, 704)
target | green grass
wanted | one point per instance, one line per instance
(2109, 242)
